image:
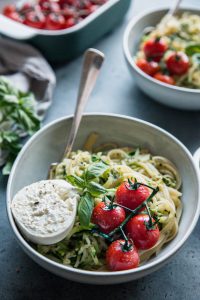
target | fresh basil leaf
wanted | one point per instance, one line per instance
(9, 141)
(132, 153)
(192, 49)
(95, 189)
(18, 115)
(95, 170)
(95, 158)
(7, 168)
(85, 208)
(11, 99)
(76, 181)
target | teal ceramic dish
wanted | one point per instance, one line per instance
(62, 45)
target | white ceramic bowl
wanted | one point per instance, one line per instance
(177, 97)
(47, 146)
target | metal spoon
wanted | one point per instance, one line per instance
(93, 60)
(166, 17)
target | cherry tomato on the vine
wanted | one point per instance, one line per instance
(107, 218)
(178, 63)
(131, 198)
(148, 67)
(137, 229)
(155, 48)
(118, 258)
(164, 78)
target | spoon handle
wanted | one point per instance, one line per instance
(174, 8)
(93, 60)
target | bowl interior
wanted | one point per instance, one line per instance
(149, 19)
(48, 144)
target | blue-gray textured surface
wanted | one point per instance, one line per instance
(21, 278)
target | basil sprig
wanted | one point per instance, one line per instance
(17, 118)
(76, 181)
(96, 189)
(85, 208)
(192, 49)
(95, 170)
(90, 189)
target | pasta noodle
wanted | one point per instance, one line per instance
(127, 163)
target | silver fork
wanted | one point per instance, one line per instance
(171, 12)
(93, 60)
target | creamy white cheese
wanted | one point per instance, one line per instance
(46, 207)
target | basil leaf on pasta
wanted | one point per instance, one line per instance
(95, 170)
(192, 49)
(85, 208)
(95, 189)
(76, 181)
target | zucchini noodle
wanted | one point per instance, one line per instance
(82, 249)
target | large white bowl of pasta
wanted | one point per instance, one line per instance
(119, 149)
(163, 56)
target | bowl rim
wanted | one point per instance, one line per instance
(130, 58)
(56, 265)
(102, 9)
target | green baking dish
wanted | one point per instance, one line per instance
(63, 45)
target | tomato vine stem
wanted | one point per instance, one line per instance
(110, 235)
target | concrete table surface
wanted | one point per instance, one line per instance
(20, 277)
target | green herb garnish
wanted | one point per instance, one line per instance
(17, 118)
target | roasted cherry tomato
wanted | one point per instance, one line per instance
(107, 218)
(74, 3)
(63, 3)
(35, 19)
(69, 12)
(164, 78)
(178, 63)
(155, 48)
(27, 7)
(148, 67)
(49, 7)
(69, 22)
(131, 198)
(55, 22)
(15, 16)
(118, 258)
(139, 231)
(9, 9)
(92, 8)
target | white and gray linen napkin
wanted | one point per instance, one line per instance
(27, 70)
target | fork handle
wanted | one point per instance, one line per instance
(93, 60)
(174, 8)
